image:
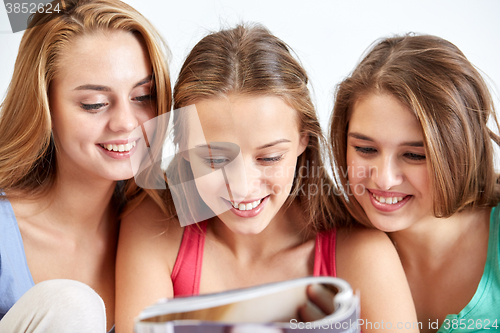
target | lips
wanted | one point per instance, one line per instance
(256, 206)
(388, 201)
(118, 149)
(246, 206)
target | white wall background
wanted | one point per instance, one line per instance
(329, 36)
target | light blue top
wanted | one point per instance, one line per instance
(15, 276)
(482, 314)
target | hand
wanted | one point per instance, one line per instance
(319, 305)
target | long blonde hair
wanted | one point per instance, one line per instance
(27, 152)
(452, 103)
(250, 60)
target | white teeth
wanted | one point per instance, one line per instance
(389, 201)
(119, 148)
(248, 206)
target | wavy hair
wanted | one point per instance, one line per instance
(249, 60)
(452, 103)
(27, 152)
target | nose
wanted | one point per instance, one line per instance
(243, 179)
(254, 179)
(123, 117)
(387, 174)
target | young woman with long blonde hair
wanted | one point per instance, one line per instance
(84, 79)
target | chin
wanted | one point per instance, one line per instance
(117, 178)
(387, 224)
(118, 174)
(245, 227)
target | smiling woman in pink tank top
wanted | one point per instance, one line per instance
(250, 172)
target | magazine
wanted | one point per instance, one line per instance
(269, 308)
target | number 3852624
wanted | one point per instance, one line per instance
(31, 8)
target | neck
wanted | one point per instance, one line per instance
(283, 232)
(432, 240)
(77, 204)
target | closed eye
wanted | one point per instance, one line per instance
(216, 162)
(365, 150)
(144, 98)
(93, 107)
(415, 157)
(271, 160)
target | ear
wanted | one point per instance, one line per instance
(303, 142)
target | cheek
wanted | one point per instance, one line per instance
(278, 174)
(358, 169)
(147, 114)
(280, 177)
(419, 178)
(71, 130)
(67, 120)
(211, 186)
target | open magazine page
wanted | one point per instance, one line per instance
(266, 308)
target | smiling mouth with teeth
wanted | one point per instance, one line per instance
(119, 148)
(247, 206)
(389, 201)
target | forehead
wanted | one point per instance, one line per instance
(381, 115)
(249, 121)
(103, 57)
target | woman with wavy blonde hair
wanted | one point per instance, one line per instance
(410, 127)
(84, 79)
(250, 154)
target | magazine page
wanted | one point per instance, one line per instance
(267, 308)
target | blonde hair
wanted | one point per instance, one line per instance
(27, 152)
(450, 99)
(250, 60)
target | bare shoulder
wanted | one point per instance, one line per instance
(361, 249)
(368, 260)
(147, 248)
(147, 228)
(361, 240)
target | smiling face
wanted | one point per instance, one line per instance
(387, 168)
(101, 92)
(255, 140)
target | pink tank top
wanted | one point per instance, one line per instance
(187, 269)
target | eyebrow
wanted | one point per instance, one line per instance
(212, 147)
(97, 87)
(267, 145)
(367, 138)
(147, 79)
(274, 143)
(93, 87)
